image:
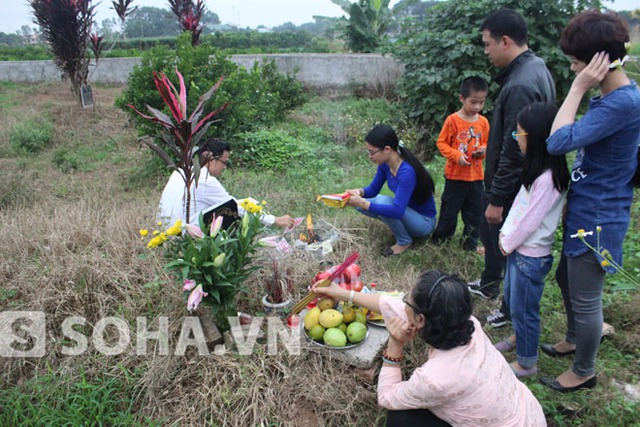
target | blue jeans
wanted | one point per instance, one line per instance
(523, 286)
(411, 225)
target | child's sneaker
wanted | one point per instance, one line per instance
(475, 288)
(497, 319)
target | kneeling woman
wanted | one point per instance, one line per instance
(411, 213)
(465, 381)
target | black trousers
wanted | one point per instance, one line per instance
(460, 197)
(414, 418)
(494, 261)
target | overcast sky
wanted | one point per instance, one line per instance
(243, 13)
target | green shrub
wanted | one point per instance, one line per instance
(258, 97)
(268, 149)
(25, 53)
(31, 136)
(351, 119)
(237, 41)
(446, 47)
(64, 160)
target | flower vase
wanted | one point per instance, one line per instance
(279, 309)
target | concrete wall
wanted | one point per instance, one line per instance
(317, 72)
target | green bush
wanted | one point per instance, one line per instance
(25, 53)
(237, 41)
(257, 97)
(268, 149)
(65, 160)
(446, 47)
(31, 136)
(351, 119)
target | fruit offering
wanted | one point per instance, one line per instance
(349, 280)
(334, 328)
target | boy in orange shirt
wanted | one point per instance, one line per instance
(463, 142)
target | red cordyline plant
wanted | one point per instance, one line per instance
(96, 45)
(189, 15)
(183, 136)
(66, 25)
(122, 9)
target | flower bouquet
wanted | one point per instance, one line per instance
(211, 264)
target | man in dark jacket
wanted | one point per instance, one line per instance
(524, 79)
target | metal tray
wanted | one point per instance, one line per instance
(379, 323)
(346, 347)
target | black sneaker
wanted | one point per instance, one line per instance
(475, 288)
(497, 319)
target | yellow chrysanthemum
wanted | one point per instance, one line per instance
(250, 206)
(157, 241)
(604, 263)
(156, 232)
(159, 223)
(175, 229)
(144, 232)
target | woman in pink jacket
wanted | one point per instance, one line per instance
(465, 381)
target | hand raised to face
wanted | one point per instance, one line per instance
(593, 73)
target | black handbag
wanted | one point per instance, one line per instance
(228, 210)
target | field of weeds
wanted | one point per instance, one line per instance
(69, 246)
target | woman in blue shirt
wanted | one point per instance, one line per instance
(411, 213)
(600, 193)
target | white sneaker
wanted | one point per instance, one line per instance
(475, 288)
(497, 319)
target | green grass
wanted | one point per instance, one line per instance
(53, 400)
(90, 391)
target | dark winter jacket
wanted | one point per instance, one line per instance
(524, 81)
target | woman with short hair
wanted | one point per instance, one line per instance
(606, 139)
(465, 381)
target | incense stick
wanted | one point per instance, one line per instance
(326, 282)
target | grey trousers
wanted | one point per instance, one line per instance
(581, 280)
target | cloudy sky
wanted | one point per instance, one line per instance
(243, 13)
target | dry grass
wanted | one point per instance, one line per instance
(69, 247)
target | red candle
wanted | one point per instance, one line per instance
(293, 320)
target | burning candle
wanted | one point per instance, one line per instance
(293, 320)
